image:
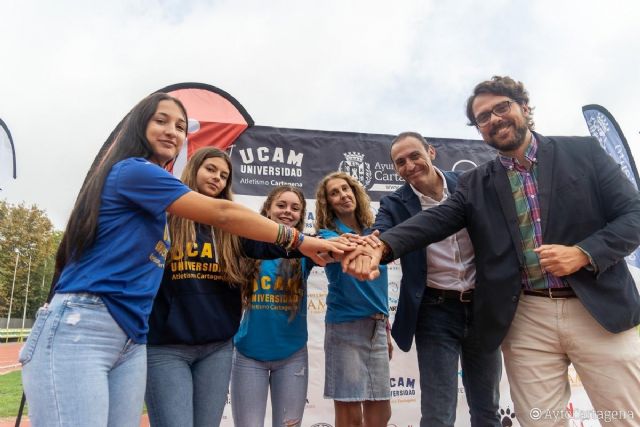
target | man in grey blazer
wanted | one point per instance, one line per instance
(551, 220)
(436, 297)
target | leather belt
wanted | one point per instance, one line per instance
(553, 293)
(462, 296)
(379, 316)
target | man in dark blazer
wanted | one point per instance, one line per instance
(551, 220)
(436, 296)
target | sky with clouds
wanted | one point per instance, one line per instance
(70, 70)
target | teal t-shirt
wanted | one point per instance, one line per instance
(351, 299)
(266, 330)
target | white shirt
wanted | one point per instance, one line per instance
(450, 262)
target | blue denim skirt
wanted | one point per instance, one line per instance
(356, 361)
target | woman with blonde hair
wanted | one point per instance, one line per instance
(357, 340)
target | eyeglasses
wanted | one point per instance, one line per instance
(499, 110)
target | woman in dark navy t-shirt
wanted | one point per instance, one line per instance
(197, 310)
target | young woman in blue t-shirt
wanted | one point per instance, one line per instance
(271, 344)
(357, 341)
(84, 362)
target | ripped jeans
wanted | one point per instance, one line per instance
(250, 381)
(80, 369)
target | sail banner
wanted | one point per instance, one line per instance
(605, 129)
(7, 155)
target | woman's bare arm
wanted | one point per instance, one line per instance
(237, 219)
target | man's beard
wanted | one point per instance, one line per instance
(508, 145)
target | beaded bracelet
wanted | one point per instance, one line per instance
(284, 235)
(296, 241)
(293, 237)
(288, 237)
(280, 235)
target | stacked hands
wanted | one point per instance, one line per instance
(363, 260)
(360, 255)
(323, 251)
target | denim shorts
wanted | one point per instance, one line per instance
(356, 361)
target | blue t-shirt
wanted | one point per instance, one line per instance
(350, 299)
(266, 331)
(125, 264)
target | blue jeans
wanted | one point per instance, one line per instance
(80, 368)
(250, 381)
(187, 385)
(443, 337)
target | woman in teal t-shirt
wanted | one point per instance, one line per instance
(271, 344)
(357, 342)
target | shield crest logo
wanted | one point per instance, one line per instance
(354, 165)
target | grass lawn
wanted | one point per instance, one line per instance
(10, 394)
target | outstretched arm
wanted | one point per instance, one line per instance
(263, 250)
(420, 230)
(237, 219)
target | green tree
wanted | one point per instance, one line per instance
(27, 246)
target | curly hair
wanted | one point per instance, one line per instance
(290, 269)
(504, 86)
(325, 216)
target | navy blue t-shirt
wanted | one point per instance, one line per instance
(125, 264)
(195, 304)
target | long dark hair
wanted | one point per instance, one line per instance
(129, 141)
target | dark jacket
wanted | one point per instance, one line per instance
(395, 208)
(585, 199)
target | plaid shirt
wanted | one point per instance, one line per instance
(524, 187)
